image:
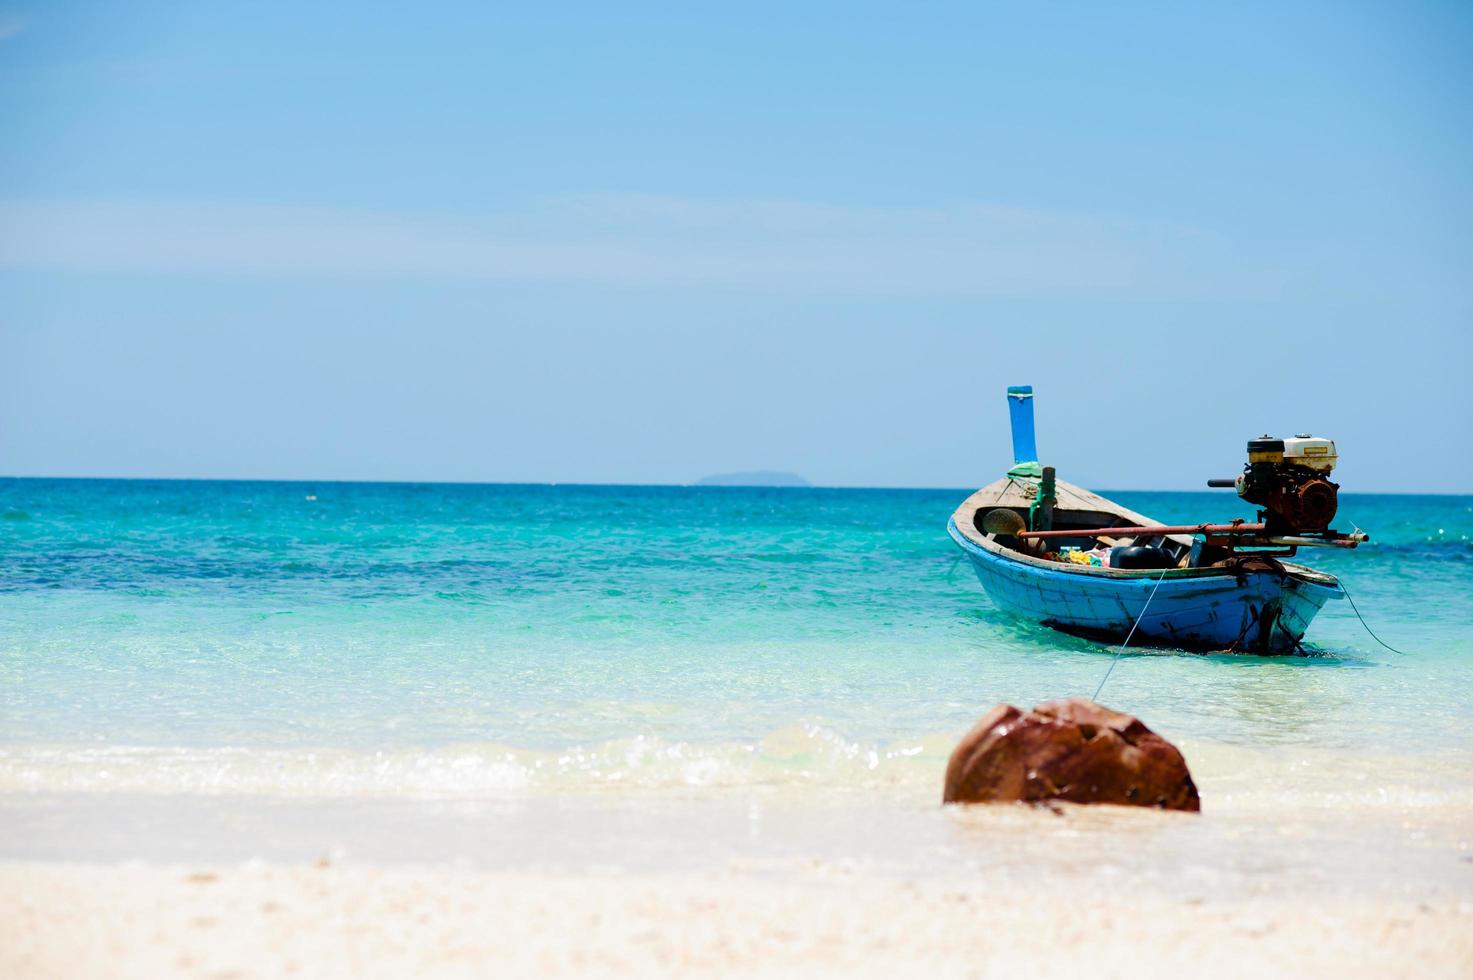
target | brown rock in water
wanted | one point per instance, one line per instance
(1073, 750)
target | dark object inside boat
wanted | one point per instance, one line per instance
(1165, 551)
(1140, 556)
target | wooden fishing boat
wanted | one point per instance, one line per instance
(1063, 556)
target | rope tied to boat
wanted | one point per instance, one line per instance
(1362, 619)
(1133, 625)
(1367, 625)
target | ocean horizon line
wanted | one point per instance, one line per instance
(308, 481)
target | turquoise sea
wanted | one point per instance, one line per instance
(383, 639)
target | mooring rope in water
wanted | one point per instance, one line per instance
(1368, 625)
(1130, 634)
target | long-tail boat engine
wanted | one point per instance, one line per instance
(1289, 479)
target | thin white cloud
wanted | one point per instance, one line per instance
(10, 27)
(620, 240)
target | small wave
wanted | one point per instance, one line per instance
(805, 755)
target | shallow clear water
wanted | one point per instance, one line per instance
(417, 637)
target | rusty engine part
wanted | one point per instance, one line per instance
(1289, 478)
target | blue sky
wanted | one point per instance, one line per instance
(613, 243)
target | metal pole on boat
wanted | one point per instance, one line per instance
(1140, 530)
(1238, 529)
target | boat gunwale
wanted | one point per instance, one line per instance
(976, 542)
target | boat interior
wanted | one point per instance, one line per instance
(1075, 508)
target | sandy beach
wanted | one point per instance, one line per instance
(1296, 878)
(330, 920)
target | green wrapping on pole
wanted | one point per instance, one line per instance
(1041, 511)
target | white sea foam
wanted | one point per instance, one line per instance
(796, 756)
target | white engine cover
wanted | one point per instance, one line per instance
(1311, 453)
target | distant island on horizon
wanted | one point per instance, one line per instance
(753, 478)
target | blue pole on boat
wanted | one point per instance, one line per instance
(1020, 411)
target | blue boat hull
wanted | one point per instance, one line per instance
(1260, 611)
